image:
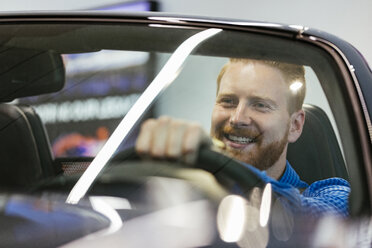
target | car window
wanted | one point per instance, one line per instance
(102, 85)
(233, 84)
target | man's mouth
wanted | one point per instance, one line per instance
(240, 139)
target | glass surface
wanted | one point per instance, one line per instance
(109, 66)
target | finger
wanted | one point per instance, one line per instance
(144, 138)
(176, 135)
(158, 143)
(194, 137)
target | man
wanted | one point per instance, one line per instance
(258, 111)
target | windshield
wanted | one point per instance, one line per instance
(261, 99)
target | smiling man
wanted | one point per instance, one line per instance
(257, 112)
(253, 115)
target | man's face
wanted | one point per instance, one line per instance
(250, 115)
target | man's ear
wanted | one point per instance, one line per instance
(296, 124)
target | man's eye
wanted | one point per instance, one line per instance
(261, 106)
(227, 101)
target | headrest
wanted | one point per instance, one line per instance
(42, 139)
(21, 161)
(316, 154)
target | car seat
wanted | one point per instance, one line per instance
(316, 154)
(25, 152)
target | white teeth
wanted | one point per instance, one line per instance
(238, 139)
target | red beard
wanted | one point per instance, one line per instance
(264, 156)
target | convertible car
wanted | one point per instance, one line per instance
(75, 88)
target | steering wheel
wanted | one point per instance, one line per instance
(127, 169)
(218, 164)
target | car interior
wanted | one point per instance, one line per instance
(322, 159)
(316, 154)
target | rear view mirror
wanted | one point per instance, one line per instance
(27, 72)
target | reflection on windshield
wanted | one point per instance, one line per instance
(165, 77)
(245, 220)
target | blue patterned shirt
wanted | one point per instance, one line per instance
(328, 196)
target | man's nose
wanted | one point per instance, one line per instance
(241, 117)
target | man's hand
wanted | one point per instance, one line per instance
(172, 139)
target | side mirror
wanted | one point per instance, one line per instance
(27, 72)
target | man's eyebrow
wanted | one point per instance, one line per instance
(225, 95)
